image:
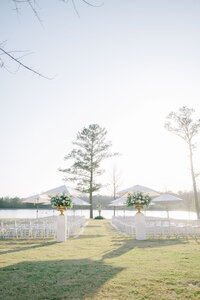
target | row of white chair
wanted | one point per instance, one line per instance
(73, 224)
(28, 228)
(124, 224)
(40, 228)
(158, 227)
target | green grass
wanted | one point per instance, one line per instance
(100, 264)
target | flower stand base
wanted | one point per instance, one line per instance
(140, 227)
(61, 228)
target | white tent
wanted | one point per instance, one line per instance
(64, 189)
(166, 198)
(78, 201)
(75, 200)
(36, 199)
(69, 191)
(139, 188)
(119, 202)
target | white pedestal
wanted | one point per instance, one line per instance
(140, 227)
(61, 229)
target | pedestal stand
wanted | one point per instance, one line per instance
(61, 228)
(140, 226)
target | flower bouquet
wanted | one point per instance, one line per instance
(61, 202)
(138, 199)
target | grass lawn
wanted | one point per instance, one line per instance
(100, 264)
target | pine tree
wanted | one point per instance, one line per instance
(91, 149)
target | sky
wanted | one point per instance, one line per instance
(124, 65)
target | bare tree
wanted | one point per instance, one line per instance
(115, 183)
(14, 57)
(34, 5)
(7, 56)
(181, 124)
(188, 198)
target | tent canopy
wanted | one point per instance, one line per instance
(139, 188)
(78, 201)
(75, 200)
(36, 199)
(69, 191)
(64, 189)
(166, 197)
(119, 202)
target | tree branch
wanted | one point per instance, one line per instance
(23, 65)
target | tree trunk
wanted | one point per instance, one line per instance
(114, 192)
(91, 187)
(194, 182)
(91, 207)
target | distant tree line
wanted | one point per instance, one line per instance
(7, 202)
(188, 203)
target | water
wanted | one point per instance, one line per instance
(32, 213)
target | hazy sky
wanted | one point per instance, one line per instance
(124, 65)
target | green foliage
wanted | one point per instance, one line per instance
(138, 198)
(62, 200)
(99, 218)
(91, 149)
(7, 202)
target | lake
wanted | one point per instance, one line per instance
(32, 213)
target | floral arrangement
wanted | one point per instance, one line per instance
(138, 198)
(61, 200)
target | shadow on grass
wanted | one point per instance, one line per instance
(129, 244)
(19, 247)
(58, 279)
(126, 244)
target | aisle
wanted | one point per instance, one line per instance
(102, 239)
